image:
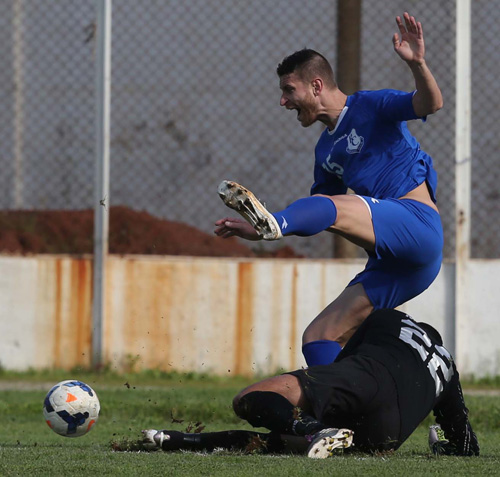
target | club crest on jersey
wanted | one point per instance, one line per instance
(354, 142)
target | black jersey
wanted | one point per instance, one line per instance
(414, 356)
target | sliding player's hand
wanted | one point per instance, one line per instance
(409, 45)
(230, 227)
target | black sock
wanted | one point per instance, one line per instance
(276, 413)
(453, 417)
(231, 440)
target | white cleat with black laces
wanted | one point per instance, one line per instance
(240, 199)
(165, 440)
(148, 439)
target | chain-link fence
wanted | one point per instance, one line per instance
(381, 69)
(195, 100)
(485, 137)
(47, 104)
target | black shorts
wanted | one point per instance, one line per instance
(357, 393)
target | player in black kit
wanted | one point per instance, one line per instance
(390, 375)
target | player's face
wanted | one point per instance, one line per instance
(298, 95)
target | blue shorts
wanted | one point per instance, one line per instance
(408, 251)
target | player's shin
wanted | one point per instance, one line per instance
(247, 441)
(307, 216)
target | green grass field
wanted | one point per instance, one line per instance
(133, 402)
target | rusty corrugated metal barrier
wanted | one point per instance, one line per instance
(214, 315)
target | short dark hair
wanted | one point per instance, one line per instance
(307, 64)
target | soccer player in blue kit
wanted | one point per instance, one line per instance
(366, 147)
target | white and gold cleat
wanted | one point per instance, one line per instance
(327, 441)
(240, 199)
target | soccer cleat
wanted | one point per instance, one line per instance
(165, 440)
(465, 444)
(248, 206)
(437, 440)
(326, 441)
(148, 440)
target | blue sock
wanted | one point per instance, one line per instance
(321, 352)
(308, 216)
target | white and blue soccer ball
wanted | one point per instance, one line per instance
(71, 408)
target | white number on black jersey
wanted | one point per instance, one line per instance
(437, 358)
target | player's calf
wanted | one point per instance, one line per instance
(304, 217)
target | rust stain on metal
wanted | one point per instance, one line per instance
(58, 314)
(81, 315)
(165, 283)
(244, 317)
(159, 325)
(108, 308)
(276, 316)
(143, 330)
(132, 293)
(293, 317)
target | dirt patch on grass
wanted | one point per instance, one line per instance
(130, 232)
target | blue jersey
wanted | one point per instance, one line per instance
(371, 150)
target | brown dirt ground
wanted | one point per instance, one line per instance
(130, 232)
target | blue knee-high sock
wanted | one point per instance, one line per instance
(320, 352)
(307, 216)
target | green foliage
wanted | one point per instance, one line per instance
(161, 400)
(487, 382)
(106, 375)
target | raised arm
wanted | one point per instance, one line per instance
(409, 45)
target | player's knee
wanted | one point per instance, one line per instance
(316, 332)
(328, 333)
(308, 336)
(236, 404)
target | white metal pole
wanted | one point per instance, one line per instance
(101, 203)
(462, 176)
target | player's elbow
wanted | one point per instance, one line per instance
(436, 105)
(424, 105)
(440, 103)
(431, 107)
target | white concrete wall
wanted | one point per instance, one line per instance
(478, 334)
(45, 312)
(210, 314)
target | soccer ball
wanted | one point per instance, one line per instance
(71, 408)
